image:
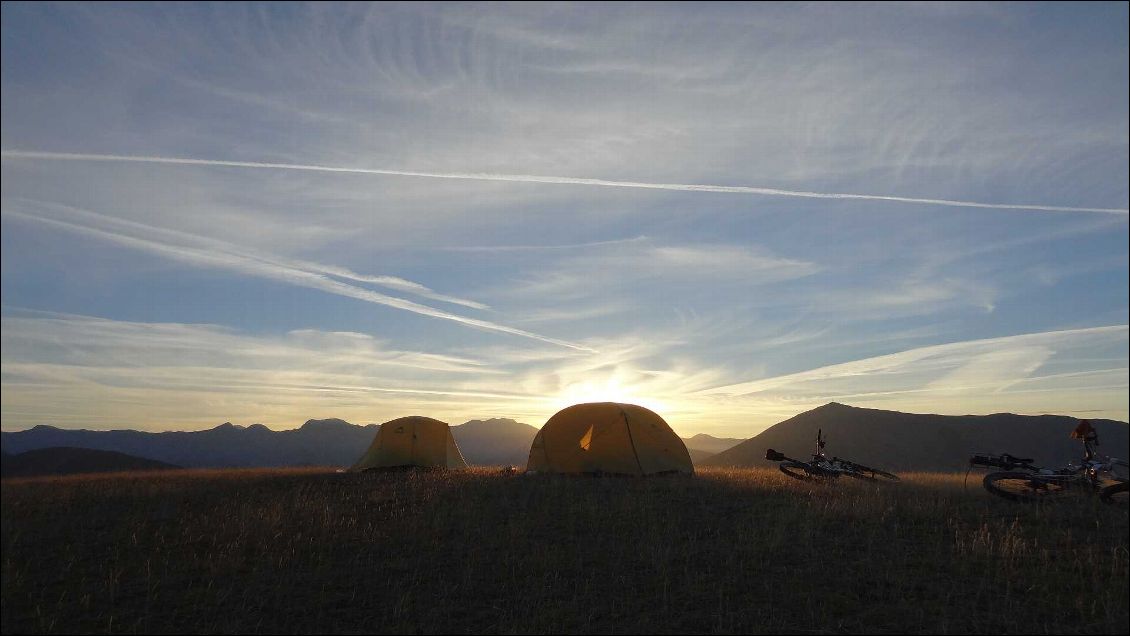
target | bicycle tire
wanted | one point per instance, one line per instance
(1117, 495)
(1120, 475)
(1028, 487)
(802, 471)
(874, 475)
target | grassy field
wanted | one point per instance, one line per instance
(728, 551)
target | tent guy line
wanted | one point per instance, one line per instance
(523, 178)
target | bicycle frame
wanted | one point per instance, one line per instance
(1089, 474)
(822, 467)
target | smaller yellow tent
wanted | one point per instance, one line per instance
(608, 437)
(412, 441)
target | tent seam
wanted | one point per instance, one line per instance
(631, 439)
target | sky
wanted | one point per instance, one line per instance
(729, 213)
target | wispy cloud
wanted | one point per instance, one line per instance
(96, 219)
(987, 364)
(539, 248)
(87, 340)
(156, 374)
(625, 267)
(521, 178)
(278, 271)
(103, 372)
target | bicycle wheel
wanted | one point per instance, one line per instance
(802, 471)
(1120, 469)
(1019, 486)
(871, 474)
(1117, 494)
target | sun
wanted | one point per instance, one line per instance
(610, 390)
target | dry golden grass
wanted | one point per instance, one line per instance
(728, 551)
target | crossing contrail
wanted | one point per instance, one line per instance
(525, 178)
(394, 282)
(281, 272)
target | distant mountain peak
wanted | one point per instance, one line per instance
(832, 409)
(329, 423)
(257, 427)
(495, 423)
(498, 440)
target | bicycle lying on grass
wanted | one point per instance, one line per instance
(1022, 481)
(821, 468)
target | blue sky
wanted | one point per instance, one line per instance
(268, 213)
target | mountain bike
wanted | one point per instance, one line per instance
(823, 468)
(1021, 480)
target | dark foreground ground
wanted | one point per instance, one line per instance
(480, 551)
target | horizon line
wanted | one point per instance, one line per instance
(484, 419)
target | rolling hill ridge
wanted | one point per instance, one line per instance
(893, 440)
(73, 461)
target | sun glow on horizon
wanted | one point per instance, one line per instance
(610, 390)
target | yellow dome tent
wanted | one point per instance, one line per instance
(412, 441)
(608, 437)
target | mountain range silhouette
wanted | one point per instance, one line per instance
(885, 439)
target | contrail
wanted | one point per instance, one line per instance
(287, 274)
(525, 178)
(394, 282)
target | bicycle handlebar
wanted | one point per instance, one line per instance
(1005, 461)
